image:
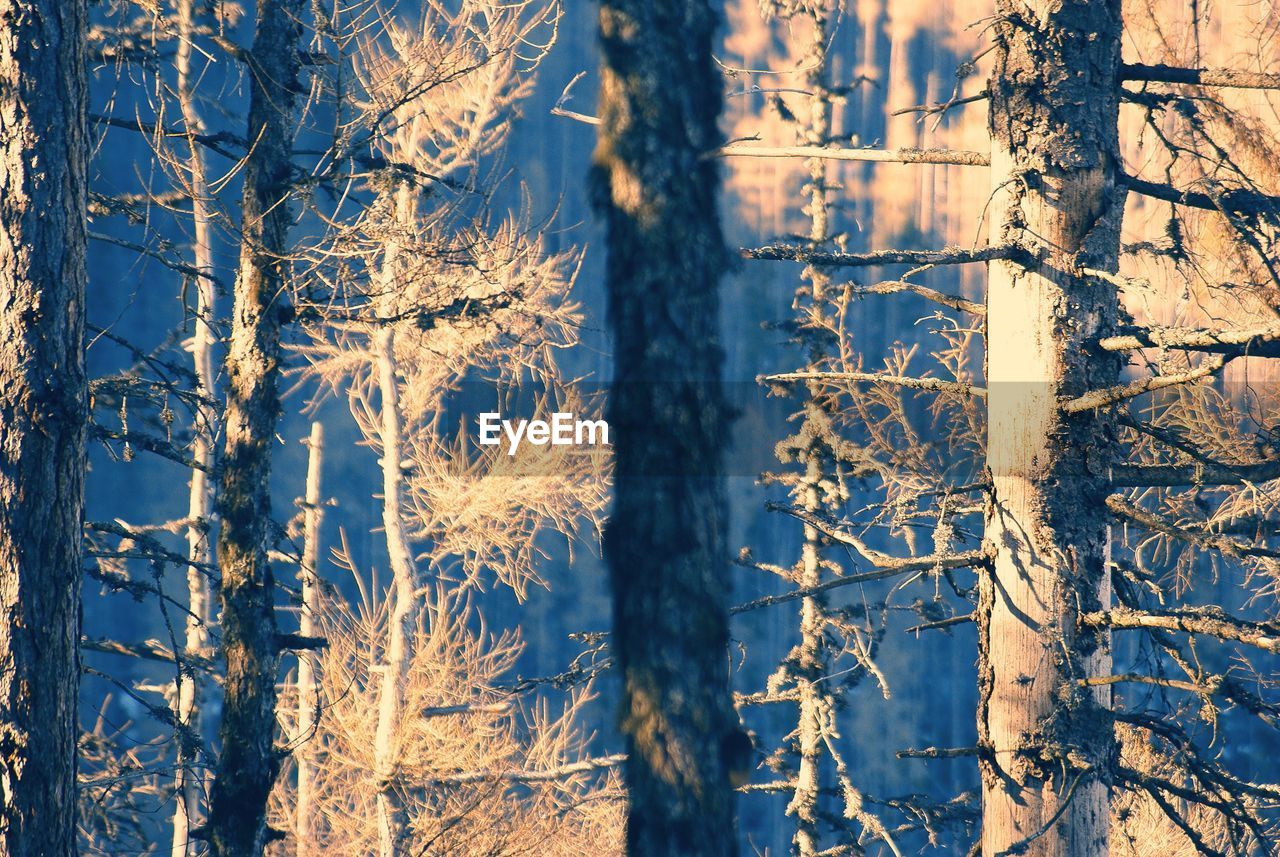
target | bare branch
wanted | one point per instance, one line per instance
(953, 157)
(890, 287)
(938, 753)
(1207, 621)
(583, 767)
(1200, 76)
(172, 264)
(946, 256)
(1228, 200)
(155, 445)
(1237, 548)
(1174, 475)
(941, 623)
(891, 564)
(941, 106)
(560, 110)
(1095, 399)
(939, 385)
(152, 651)
(1251, 342)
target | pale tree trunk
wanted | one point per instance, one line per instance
(403, 619)
(308, 699)
(816, 704)
(249, 759)
(43, 411)
(199, 548)
(665, 541)
(1047, 741)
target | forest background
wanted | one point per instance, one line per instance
(897, 55)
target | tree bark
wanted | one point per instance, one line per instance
(308, 698)
(402, 623)
(1046, 740)
(665, 543)
(43, 411)
(812, 657)
(249, 761)
(190, 695)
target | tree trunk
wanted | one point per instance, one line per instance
(199, 549)
(1047, 741)
(249, 760)
(817, 705)
(43, 413)
(665, 543)
(402, 623)
(308, 698)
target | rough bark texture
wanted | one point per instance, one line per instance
(811, 658)
(249, 760)
(42, 417)
(190, 695)
(665, 544)
(1046, 741)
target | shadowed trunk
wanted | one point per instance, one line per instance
(665, 543)
(42, 418)
(249, 760)
(1047, 741)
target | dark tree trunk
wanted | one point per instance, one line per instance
(249, 760)
(1047, 740)
(665, 544)
(42, 418)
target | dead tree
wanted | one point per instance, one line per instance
(42, 420)
(190, 690)
(665, 543)
(309, 616)
(249, 760)
(1054, 104)
(822, 463)
(1101, 481)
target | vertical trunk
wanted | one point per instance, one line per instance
(814, 702)
(308, 699)
(665, 543)
(42, 417)
(1047, 741)
(817, 707)
(403, 620)
(199, 549)
(249, 760)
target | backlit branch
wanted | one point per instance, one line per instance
(1251, 342)
(1206, 621)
